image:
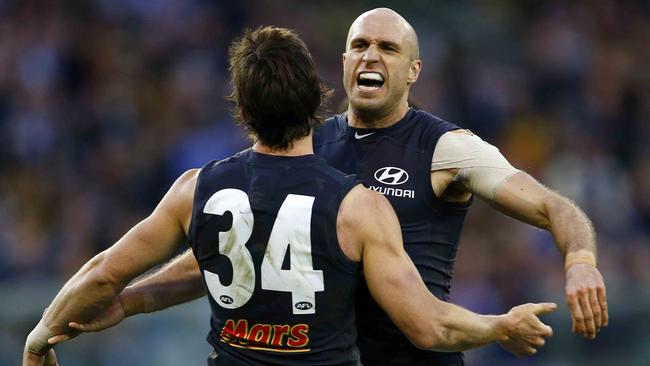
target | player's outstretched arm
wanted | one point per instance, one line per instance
(369, 231)
(463, 158)
(522, 197)
(178, 282)
(94, 287)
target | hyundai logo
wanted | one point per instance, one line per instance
(391, 175)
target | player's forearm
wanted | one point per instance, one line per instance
(176, 283)
(84, 296)
(432, 324)
(572, 230)
(458, 329)
(525, 199)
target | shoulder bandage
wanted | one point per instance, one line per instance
(481, 166)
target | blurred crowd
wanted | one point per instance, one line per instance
(104, 103)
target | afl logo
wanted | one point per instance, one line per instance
(304, 305)
(226, 299)
(391, 175)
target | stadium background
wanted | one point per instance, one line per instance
(103, 103)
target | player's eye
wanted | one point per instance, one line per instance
(359, 45)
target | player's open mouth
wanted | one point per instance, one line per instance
(369, 80)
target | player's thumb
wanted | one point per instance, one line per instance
(543, 308)
(58, 339)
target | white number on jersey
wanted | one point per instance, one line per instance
(232, 245)
(291, 231)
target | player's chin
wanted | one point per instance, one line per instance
(367, 103)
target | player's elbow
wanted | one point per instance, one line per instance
(429, 336)
(557, 207)
(438, 336)
(423, 341)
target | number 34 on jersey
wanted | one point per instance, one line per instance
(291, 231)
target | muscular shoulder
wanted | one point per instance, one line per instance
(186, 182)
(365, 217)
(361, 205)
(179, 199)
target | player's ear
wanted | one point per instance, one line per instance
(343, 56)
(414, 71)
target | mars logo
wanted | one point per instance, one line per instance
(285, 338)
(391, 175)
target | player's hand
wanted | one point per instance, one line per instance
(111, 316)
(34, 359)
(587, 299)
(37, 351)
(525, 331)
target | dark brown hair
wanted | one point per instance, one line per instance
(275, 88)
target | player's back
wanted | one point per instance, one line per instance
(264, 233)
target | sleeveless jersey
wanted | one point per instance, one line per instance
(280, 289)
(396, 161)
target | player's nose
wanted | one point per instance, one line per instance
(371, 54)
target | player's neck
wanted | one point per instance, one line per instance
(299, 147)
(371, 119)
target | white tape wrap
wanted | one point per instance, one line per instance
(482, 167)
(37, 339)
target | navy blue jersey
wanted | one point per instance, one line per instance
(396, 161)
(263, 231)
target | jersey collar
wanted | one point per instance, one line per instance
(371, 134)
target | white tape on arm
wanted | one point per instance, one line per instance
(482, 167)
(37, 339)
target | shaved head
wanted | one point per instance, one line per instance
(390, 18)
(380, 63)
